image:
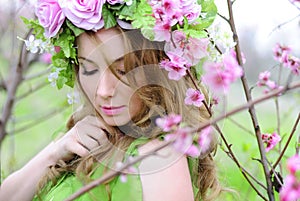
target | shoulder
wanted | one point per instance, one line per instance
(165, 176)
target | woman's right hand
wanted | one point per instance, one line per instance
(86, 135)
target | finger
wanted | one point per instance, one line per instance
(87, 141)
(79, 149)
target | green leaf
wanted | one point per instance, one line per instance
(77, 31)
(65, 41)
(127, 12)
(38, 30)
(108, 17)
(209, 7)
(142, 18)
(195, 33)
(60, 82)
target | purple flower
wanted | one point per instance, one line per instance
(50, 16)
(85, 14)
(193, 97)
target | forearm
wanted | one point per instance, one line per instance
(22, 184)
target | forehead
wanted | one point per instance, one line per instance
(106, 45)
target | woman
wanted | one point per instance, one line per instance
(125, 93)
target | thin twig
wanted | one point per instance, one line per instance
(288, 141)
(233, 157)
(252, 111)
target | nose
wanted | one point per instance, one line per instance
(106, 85)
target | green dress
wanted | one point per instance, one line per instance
(119, 191)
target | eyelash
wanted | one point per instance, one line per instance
(87, 73)
(121, 72)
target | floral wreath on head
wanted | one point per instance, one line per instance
(180, 23)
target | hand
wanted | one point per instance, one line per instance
(84, 137)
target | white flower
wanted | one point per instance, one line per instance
(52, 77)
(73, 98)
(37, 45)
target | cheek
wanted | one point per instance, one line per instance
(135, 105)
(89, 85)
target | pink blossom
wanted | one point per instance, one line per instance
(176, 66)
(46, 58)
(219, 75)
(217, 79)
(231, 66)
(294, 65)
(290, 191)
(205, 138)
(50, 16)
(191, 10)
(162, 31)
(194, 97)
(167, 123)
(270, 140)
(184, 142)
(293, 164)
(280, 50)
(84, 14)
(192, 49)
(263, 78)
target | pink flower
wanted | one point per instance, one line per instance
(50, 16)
(191, 10)
(194, 97)
(280, 52)
(263, 78)
(294, 65)
(290, 191)
(176, 66)
(86, 14)
(192, 49)
(46, 58)
(205, 138)
(169, 122)
(162, 31)
(270, 140)
(293, 164)
(184, 142)
(217, 79)
(231, 66)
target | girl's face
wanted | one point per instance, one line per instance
(112, 98)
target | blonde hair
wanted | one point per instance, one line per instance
(160, 96)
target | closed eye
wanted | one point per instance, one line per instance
(121, 72)
(88, 72)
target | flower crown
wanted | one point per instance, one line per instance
(180, 23)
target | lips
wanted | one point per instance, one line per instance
(111, 110)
